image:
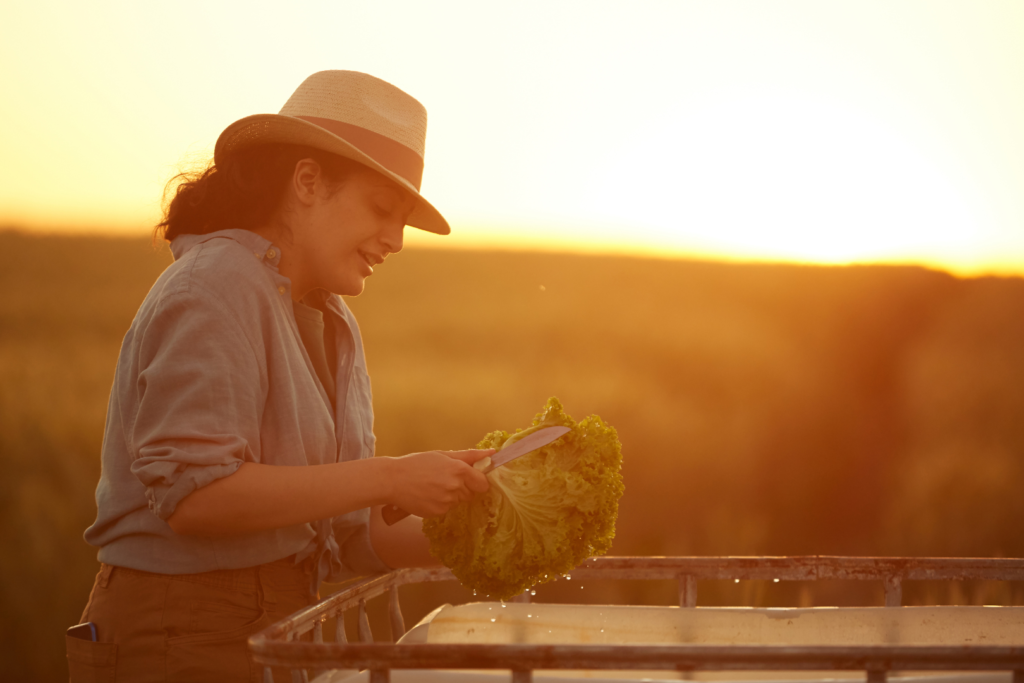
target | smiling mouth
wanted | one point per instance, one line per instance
(371, 260)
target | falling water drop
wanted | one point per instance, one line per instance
(533, 592)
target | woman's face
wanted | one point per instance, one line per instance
(345, 233)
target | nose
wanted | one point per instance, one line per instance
(393, 237)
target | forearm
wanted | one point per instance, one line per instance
(259, 497)
(402, 544)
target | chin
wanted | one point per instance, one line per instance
(350, 288)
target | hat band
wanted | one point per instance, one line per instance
(392, 155)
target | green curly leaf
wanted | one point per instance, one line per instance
(544, 514)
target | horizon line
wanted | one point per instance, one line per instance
(423, 240)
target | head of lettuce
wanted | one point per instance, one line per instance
(544, 514)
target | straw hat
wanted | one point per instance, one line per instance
(355, 116)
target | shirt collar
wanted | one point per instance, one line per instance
(332, 302)
(260, 246)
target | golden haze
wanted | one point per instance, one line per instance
(790, 130)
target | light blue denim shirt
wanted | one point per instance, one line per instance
(212, 373)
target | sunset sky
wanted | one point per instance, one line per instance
(821, 131)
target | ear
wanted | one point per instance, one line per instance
(305, 179)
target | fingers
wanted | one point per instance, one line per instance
(436, 481)
(471, 482)
(464, 485)
(455, 496)
(476, 481)
(470, 456)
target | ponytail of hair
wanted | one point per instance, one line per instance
(243, 191)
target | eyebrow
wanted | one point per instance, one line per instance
(401, 194)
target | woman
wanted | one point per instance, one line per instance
(237, 470)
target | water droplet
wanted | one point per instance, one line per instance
(602, 630)
(775, 580)
(568, 578)
(492, 621)
(474, 592)
(533, 592)
(528, 616)
(736, 580)
(502, 605)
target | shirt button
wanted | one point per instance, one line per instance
(281, 290)
(271, 253)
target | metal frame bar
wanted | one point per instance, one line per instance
(278, 645)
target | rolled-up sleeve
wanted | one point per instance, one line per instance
(200, 395)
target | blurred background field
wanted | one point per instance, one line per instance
(763, 409)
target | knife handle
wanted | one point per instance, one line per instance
(392, 514)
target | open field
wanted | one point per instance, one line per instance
(762, 409)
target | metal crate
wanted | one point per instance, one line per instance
(278, 645)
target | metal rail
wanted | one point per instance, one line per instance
(277, 645)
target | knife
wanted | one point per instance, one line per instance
(528, 444)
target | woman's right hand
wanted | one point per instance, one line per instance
(431, 483)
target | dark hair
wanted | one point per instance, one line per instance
(243, 191)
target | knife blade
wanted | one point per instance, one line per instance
(528, 444)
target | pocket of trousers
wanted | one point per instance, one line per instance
(215, 655)
(90, 662)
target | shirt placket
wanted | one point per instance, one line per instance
(345, 364)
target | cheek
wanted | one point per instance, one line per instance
(340, 256)
(327, 256)
(336, 245)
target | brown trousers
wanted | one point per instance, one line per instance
(188, 627)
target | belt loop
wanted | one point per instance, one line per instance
(105, 571)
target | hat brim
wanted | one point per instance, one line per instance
(267, 128)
